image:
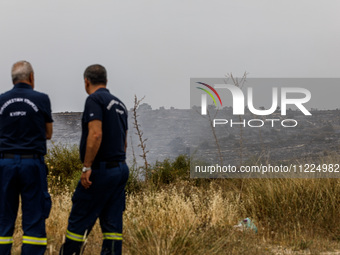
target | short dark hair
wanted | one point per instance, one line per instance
(96, 74)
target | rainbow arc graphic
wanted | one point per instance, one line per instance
(209, 93)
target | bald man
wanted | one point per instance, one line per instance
(25, 124)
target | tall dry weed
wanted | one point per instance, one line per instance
(178, 220)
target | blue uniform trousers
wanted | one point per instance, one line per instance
(105, 199)
(25, 177)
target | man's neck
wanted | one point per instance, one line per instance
(26, 82)
(94, 88)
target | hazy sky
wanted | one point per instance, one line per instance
(152, 47)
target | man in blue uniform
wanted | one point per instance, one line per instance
(25, 124)
(100, 191)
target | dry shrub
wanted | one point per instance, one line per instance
(292, 207)
(297, 210)
(175, 221)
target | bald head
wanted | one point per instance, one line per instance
(22, 71)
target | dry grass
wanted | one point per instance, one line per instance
(294, 216)
(172, 220)
(184, 219)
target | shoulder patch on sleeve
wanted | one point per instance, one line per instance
(120, 111)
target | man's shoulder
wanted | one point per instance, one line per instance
(38, 98)
(39, 94)
(104, 96)
(7, 95)
(32, 96)
(116, 98)
(4, 94)
(12, 92)
(113, 97)
(117, 101)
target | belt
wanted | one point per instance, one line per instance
(22, 156)
(111, 164)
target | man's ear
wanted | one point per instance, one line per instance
(87, 82)
(87, 85)
(31, 79)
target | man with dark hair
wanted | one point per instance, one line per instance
(25, 124)
(96, 74)
(100, 191)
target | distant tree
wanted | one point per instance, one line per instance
(144, 107)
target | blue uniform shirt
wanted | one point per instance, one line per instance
(23, 117)
(103, 106)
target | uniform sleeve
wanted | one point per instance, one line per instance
(127, 117)
(48, 111)
(93, 110)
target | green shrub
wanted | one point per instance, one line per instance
(64, 167)
(161, 173)
(168, 171)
